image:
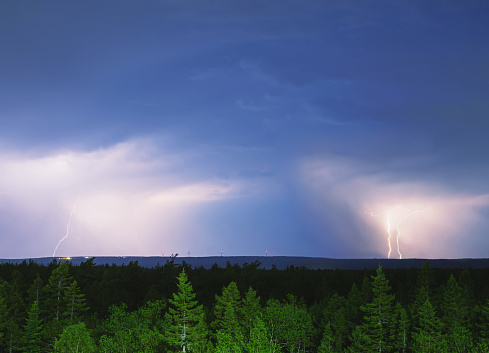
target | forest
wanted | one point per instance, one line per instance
(176, 308)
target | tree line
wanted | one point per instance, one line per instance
(177, 308)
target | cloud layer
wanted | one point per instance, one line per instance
(131, 199)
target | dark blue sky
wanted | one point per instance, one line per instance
(244, 126)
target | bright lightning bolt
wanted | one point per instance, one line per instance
(388, 227)
(399, 230)
(398, 223)
(67, 229)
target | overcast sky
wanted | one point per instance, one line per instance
(307, 128)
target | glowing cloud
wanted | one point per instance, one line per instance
(147, 199)
(430, 221)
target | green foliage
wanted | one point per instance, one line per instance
(12, 315)
(54, 290)
(35, 290)
(336, 315)
(227, 309)
(427, 337)
(326, 318)
(454, 307)
(402, 329)
(289, 324)
(188, 330)
(379, 316)
(259, 341)
(75, 339)
(136, 331)
(250, 311)
(74, 302)
(32, 330)
(327, 340)
(226, 343)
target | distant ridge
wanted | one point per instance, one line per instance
(266, 262)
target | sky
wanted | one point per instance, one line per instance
(342, 129)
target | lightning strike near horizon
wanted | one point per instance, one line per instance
(67, 228)
(399, 223)
(388, 223)
(81, 219)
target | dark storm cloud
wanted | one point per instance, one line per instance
(243, 103)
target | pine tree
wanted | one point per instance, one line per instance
(226, 343)
(427, 337)
(420, 298)
(456, 317)
(402, 332)
(484, 324)
(454, 307)
(3, 318)
(379, 315)
(259, 341)
(32, 330)
(360, 341)
(12, 315)
(55, 289)
(35, 290)
(53, 304)
(327, 340)
(335, 313)
(426, 279)
(353, 304)
(74, 302)
(250, 309)
(187, 317)
(229, 301)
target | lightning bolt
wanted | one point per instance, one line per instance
(398, 223)
(67, 228)
(388, 227)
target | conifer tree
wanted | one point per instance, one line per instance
(32, 330)
(426, 279)
(259, 340)
(229, 301)
(455, 317)
(12, 314)
(35, 290)
(250, 310)
(402, 332)
(379, 315)
(454, 307)
(55, 289)
(74, 302)
(53, 304)
(427, 337)
(360, 341)
(3, 318)
(353, 304)
(484, 324)
(327, 340)
(187, 329)
(335, 314)
(230, 336)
